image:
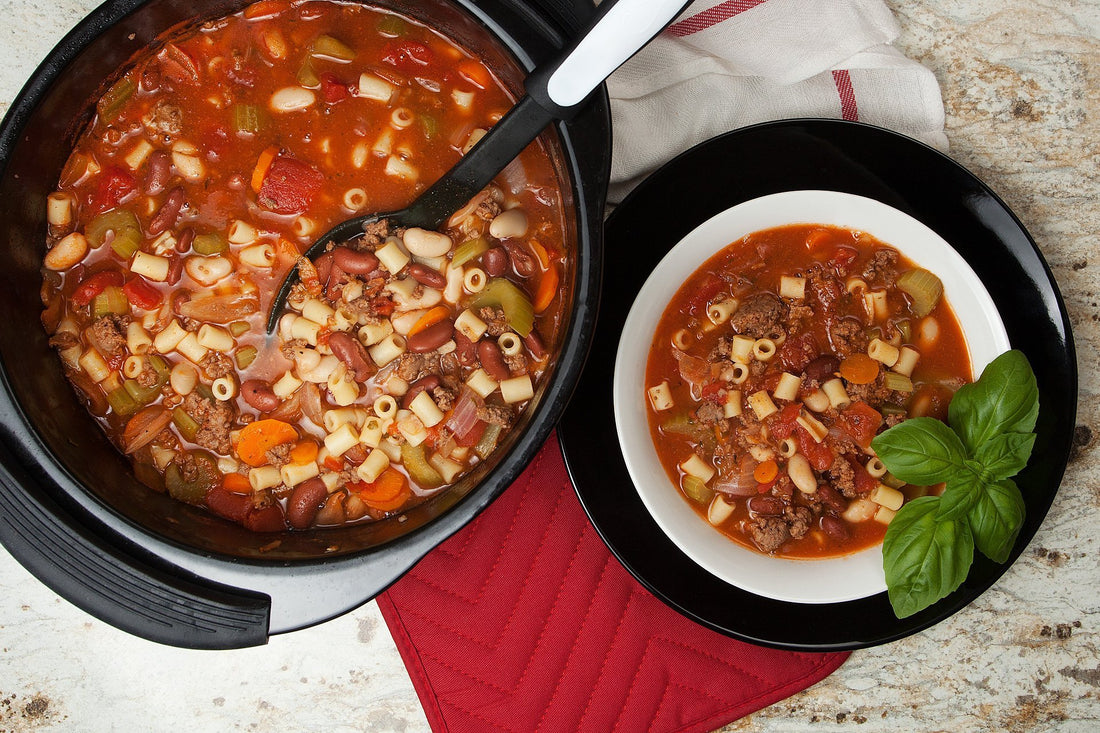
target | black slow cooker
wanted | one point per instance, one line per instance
(71, 510)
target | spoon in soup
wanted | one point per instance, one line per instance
(553, 91)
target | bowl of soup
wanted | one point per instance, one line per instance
(760, 359)
(162, 173)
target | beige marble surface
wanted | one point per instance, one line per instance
(1021, 84)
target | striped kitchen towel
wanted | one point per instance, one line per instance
(724, 64)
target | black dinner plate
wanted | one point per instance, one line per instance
(784, 156)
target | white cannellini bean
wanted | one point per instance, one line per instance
(207, 270)
(509, 224)
(425, 243)
(798, 468)
(291, 99)
(67, 252)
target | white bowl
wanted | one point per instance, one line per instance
(803, 581)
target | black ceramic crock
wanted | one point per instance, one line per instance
(71, 510)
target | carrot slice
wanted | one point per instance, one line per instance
(305, 452)
(432, 317)
(816, 238)
(258, 437)
(393, 504)
(548, 288)
(541, 253)
(265, 9)
(859, 369)
(765, 471)
(387, 487)
(475, 73)
(334, 464)
(237, 483)
(263, 165)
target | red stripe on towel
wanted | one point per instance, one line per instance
(848, 108)
(712, 16)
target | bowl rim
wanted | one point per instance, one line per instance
(827, 580)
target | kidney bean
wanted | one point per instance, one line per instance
(427, 276)
(175, 269)
(323, 265)
(492, 361)
(303, 504)
(768, 506)
(431, 338)
(351, 351)
(465, 350)
(822, 368)
(423, 384)
(522, 260)
(227, 504)
(183, 244)
(160, 172)
(829, 495)
(495, 261)
(357, 263)
(259, 395)
(177, 299)
(534, 344)
(355, 454)
(169, 212)
(835, 527)
(268, 519)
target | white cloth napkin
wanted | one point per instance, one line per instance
(723, 64)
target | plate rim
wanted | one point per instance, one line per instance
(700, 608)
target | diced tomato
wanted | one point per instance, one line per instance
(290, 185)
(699, 300)
(383, 306)
(332, 89)
(715, 392)
(228, 504)
(333, 463)
(842, 257)
(820, 455)
(141, 293)
(797, 352)
(94, 284)
(473, 435)
(113, 185)
(177, 64)
(865, 482)
(861, 421)
(407, 55)
(782, 424)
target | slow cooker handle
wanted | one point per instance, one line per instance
(116, 585)
(617, 31)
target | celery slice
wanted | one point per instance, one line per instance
(110, 300)
(209, 244)
(416, 463)
(110, 104)
(469, 250)
(328, 47)
(122, 402)
(517, 307)
(923, 288)
(116, 220)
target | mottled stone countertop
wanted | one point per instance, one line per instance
(1021, 85)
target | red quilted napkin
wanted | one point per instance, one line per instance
(524, 621)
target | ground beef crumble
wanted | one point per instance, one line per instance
(214, 419)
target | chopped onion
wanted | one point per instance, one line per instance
(226, 308)
(694, 370)
(464, 416)
(144, 426)
(739, 482)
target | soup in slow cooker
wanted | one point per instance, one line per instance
(210, 164)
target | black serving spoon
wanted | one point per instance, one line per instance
(553, 92)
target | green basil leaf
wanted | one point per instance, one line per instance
(1005, 455)
(961, 492)
(996, 519)
(923, 557)
(1005, 399)
(920, 451)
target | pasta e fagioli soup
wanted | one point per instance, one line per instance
(742, 299)
(405, 356)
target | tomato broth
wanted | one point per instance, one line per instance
(210, 165)
(775, 365)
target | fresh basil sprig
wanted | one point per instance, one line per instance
(929, 545)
